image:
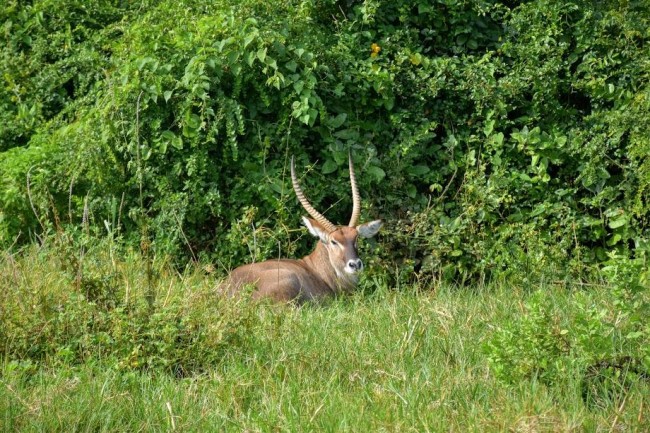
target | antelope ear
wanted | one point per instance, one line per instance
(370, 229)
(315, 229)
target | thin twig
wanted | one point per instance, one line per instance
(31, 201)
(453, 176)
(82, 250)
(171, 415)
(70, 199)
(145, 245)
(618, 413)
(137, 147)
(84, 219)
(187, 242)
(11, 260)
(444, 191)
(640, 417)
(254, 251)
(17, 397)
(119, 213)
(580, 283)
(55, 214)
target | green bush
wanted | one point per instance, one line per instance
(607, 343)
(54, 54)
(63, 307)
(534, 345)
(498, 140)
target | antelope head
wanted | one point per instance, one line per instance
(339, 242)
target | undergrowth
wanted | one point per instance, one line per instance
(62, 309)
(87, 345)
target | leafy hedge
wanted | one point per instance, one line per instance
(497, 139)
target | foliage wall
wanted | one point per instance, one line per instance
(495, 138)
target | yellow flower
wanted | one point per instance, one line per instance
(374, 50)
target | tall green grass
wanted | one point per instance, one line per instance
(382, 360)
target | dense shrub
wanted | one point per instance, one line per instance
(497, 139)
(607, 343)
(53, 55)
(69, 307)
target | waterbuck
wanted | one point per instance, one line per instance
(332, 268)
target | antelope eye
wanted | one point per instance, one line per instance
(333, 242)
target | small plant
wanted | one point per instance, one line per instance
(532, 346)
(103, 315)
(608, 343)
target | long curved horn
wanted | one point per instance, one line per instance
(356, 200)
(305, 203)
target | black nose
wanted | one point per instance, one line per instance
(355, 264)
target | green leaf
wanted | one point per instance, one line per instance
(249, 38)
(418, 170)
(330, 166)
(261, 54)
(540, 209)
(634, 335)
(233, 57)
(411, 191)
(192, 120)
(277, 186)
(275, 82)
(270, 61)
(220, 45)
(489, 127)
(291, 66)
(169, 138)
(177, 142)
(313, 115)
(618, 222)
(377, 172)
(614, 239)
(191, 125)
(347, 134)
(337, 121)
(249, 58)
(497, 138)
(167, 135)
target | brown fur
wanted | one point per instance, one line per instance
(322, 274)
